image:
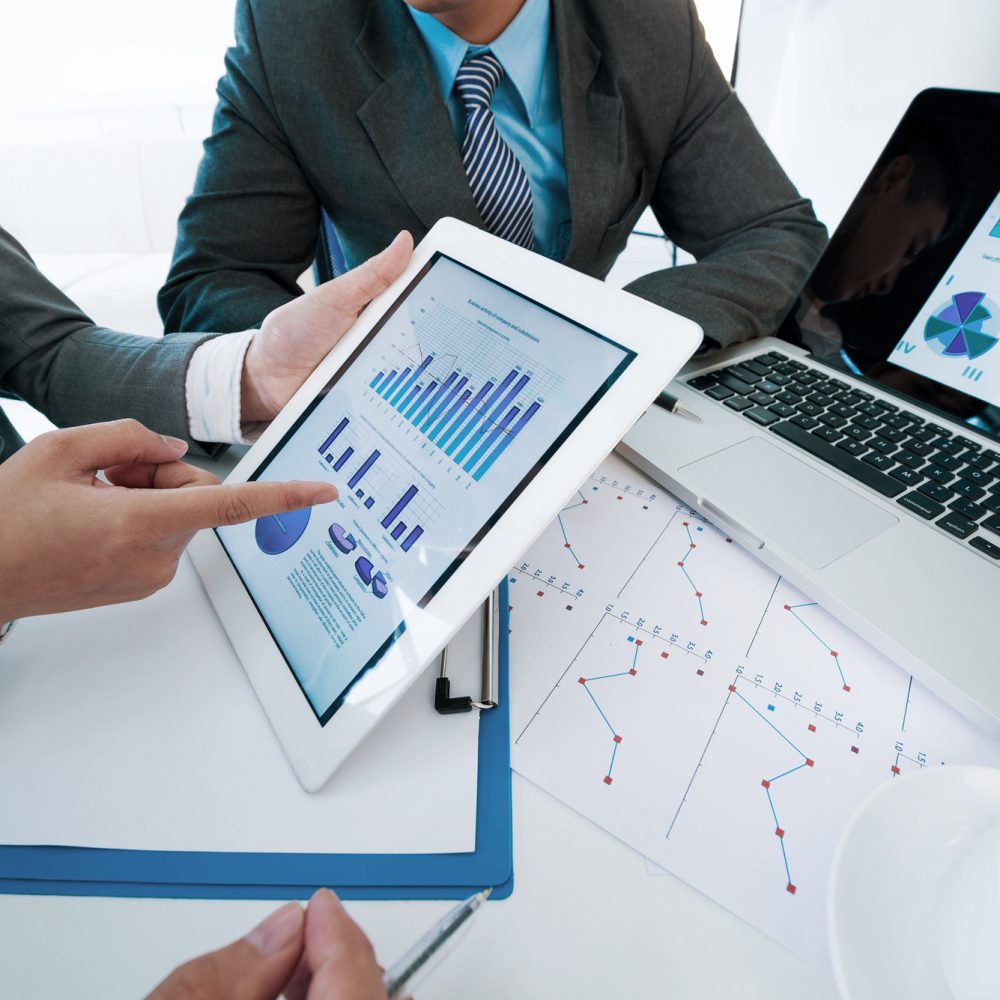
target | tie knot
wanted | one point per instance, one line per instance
(477, 79)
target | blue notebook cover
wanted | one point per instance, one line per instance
(80, 871)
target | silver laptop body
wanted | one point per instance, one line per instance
(838, 460)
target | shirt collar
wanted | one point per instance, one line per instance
(521, 49)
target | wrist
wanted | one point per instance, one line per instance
(253, 405)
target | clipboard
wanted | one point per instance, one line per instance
(77, 871)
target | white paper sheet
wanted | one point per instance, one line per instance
(135, 727)
(678, 693)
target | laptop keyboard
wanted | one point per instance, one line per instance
(935, 474)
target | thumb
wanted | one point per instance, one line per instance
(191, 508)
(339, 954)
(351, 292)
(253, 968)
(118, 442)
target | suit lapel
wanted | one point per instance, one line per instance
(408, 122)
(591, 126)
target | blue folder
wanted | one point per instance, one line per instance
(84, 871)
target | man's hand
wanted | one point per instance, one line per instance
(296, 337)
(69, 540)
(324, 956)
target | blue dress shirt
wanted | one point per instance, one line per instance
(525, 105)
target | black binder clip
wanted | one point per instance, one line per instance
(443, 701)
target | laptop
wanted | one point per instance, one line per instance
(857, 451)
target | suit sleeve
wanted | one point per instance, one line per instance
(722, 196)
(55, 358)
(250, 228)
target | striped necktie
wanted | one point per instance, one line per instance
(498, 181)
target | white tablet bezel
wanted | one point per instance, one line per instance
(662, 342)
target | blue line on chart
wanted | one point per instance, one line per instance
(585, 681)
(906, 707)
(562, 528)
(692, 545)
(766, 783)
(836, 657)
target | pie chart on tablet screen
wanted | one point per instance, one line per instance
(279, 532)
(965, 327)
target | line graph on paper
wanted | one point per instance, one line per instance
(731, 753)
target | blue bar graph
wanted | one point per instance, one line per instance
(399, 506)
(342, 461)
(359, 493)
(368, 463)
(507, 438)
(398, 530)
(333, 437)
(369, 503)
(472, 425)
(411, 538)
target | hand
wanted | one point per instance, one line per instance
(69, 540)
(297, 336)
(320, 955)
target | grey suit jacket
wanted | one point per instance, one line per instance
(333, 103)
(53, 356)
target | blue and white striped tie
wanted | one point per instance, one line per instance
(498, 181)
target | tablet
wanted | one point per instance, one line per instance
(454, 418)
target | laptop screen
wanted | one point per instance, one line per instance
(907, 293)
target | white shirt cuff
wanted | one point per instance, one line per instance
(212, 389)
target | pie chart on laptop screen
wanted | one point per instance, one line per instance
(279, 532)
(967, 326)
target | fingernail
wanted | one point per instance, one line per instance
(176, 443)
(324, 494)
(329, 896)
(278, 931)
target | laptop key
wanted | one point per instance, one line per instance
(761, 416)
(755, 367)
(809, 409)
(779, 379)
(804, 421)
(761, 398)
(979, 461)
(955, 524)
(886, 406)
(766, 385)
(792, 432)
(992, 503)
(702, 382)
(718, 392)
(791, 398)
(895, 420)
(741, 371)
(831, 419)
(993, 523)
(968, 490)
(980, 543)
(907, 476)
(908, 459)
(882, 445)
(924, 434)
(738, 403)
(977, 476)
(973, 511)
(936, 491)
(829, 434)
(949, 447)
(870, 409)
(858, 433)
(881, 462)
(835, 383)
(776, 356)
(783, 410)
(939, 430)
(891, 434)
(938, 474)
(842, 410)
(869, 423)
(919, 504)
(944, 461)
(921, 448)
(852, 447)
(820, 399)
(969, 443)
(736, 384)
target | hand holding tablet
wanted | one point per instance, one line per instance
(454, 418)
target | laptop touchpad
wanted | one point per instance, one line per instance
(786, 501)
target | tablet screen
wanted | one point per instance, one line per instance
(437, 422)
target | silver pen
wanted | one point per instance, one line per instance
(432, 947)
(673, 405)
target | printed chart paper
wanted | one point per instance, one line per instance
(687, 699)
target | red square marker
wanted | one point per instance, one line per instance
(664, 656)
(632, 671)
(540, 593)
(638, 642)
(698, 593)
(895, 770)
(729, 540)
(847, 687)
(701, 673)
(586, 501)
(681, 565)
(619, 498)
(812, 728)
(685, 523)
(779, 832)
(704, 622)
(692, 545)
(791, 888)
(579, 565)
(765, 783)
(855, 750)
(834, 653)
(510, 607)
(607, 779)
(732, 687)
(788, 607)
(566, 546)
(809, 762)
(618, 739)
(582, 680)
